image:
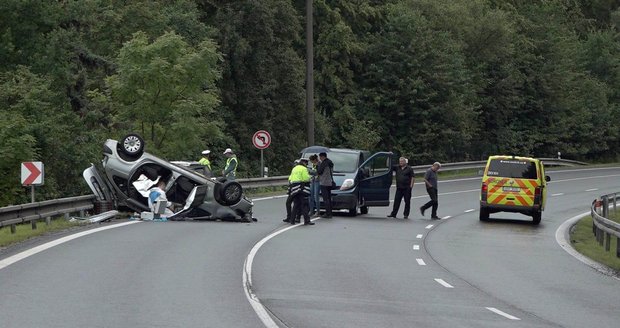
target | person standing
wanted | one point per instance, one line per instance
(404, 184)
(290, 198)
(325, 172)
(230, 170)
(206, 162)
(430, 179)
(315, 186)
(299, 189)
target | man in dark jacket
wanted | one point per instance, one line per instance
(325, 172)
(404, 185)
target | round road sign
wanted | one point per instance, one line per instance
(261, 139)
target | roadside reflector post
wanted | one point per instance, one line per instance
(605, 207)
(48, 220)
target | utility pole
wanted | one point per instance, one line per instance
(309, 74)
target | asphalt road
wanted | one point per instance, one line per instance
(364, 271)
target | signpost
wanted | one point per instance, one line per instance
(32, 175)
(261, 140)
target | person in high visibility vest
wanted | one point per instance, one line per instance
(206, 163)
(230, 170)
(299, 189)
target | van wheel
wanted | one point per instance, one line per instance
(537, 216)
(484, 214)
(353, 211)
(364, 209)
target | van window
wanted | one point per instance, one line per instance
(512, 169)
(344, 162)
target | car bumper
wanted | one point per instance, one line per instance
(342, 201)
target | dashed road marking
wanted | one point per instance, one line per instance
(443, 283)
(469, 210)
(446, 217)
(429, 226)
(593, 189)
(419, 236)
(503, 314)
(416, 247)
(558, 194)
(420, 261)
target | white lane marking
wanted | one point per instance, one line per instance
(446, 217)
(416, 247)
(443, 283)
(558, 194)
(270, 197)
(469, 210)
(429, 226)
(593, 189)
(420, 261)
(255, 302)
(20, 256)
(562, 238)
(419, 236)
(503, 314)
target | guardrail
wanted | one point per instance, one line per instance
(602, 227)
(278, 181)
(32, 212)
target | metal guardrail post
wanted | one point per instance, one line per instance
(605, 206)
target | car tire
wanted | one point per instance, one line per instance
(132, 145)
(353, 211)
(230, 192)
(536, 216)
(364, 209)
(484, 214)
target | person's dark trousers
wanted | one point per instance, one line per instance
(432, 192)
(289, 201)
(326, 192)
(300, 207)
(400, 194)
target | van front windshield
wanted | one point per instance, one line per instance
(512, 169)
(343, 162)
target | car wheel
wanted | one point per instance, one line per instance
(231, 192)
(364, 209)
(132, 145)
(537, 216)
(484, 214)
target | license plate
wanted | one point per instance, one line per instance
(511, 189)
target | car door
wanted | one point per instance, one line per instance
(376, 179)
(97, 184)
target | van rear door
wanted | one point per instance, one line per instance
(376, 179)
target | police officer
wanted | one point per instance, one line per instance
(299, 189)
(230, 170)
(206, 163)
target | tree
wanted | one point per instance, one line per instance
(166, 91)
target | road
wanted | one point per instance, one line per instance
(364, 271)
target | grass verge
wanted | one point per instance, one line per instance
(24, 231)
(583, 240)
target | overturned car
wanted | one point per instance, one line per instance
(193, 196)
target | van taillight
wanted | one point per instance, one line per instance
(483, 192)
(485, 187)
(537, 195)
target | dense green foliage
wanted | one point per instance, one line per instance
(445, 80)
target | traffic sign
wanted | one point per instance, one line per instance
(32, 173)
(261, 139)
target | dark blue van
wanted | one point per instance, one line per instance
(362, 179)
